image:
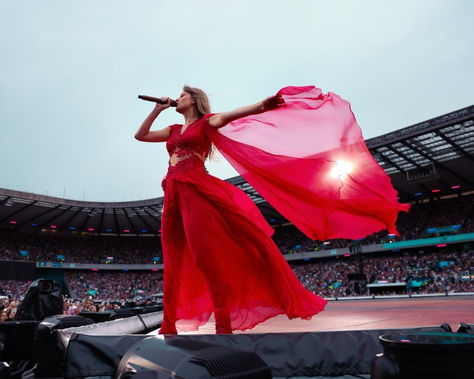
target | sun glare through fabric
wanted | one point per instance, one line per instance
(341, 169)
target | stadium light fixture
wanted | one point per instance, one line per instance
(341, 169)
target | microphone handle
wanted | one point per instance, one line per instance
(156, 100)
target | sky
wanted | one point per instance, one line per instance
(71, 71)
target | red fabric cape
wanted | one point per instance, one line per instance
(308, 159)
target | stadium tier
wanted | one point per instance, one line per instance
(83, 244)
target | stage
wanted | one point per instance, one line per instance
(342, 341)
(367, 314)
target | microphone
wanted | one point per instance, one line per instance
(156, 100)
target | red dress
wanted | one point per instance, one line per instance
(218, 254)
(309, 160)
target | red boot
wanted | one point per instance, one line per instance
(223, 325)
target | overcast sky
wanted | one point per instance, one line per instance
(70, 73)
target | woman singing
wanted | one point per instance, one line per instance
(218, 254)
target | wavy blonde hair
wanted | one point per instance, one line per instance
(203, 107)
(200, 98)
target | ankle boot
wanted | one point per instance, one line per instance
(167, 328)
(223, 325)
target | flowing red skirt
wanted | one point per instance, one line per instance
(219, 257)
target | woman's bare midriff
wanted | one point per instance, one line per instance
(176, 158)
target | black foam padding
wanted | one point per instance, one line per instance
(313, 354)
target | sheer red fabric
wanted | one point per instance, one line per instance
(309, 160)
(218, 254)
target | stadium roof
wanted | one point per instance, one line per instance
(430, 159)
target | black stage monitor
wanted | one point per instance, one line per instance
(414, 355)
(16, 340)
(176, 357)
(42, 299)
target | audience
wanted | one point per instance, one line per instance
(412, 225)
(424, 272)
(114, 285)
(79, 249)
(448, 271)
(433, 270)
(147, 250)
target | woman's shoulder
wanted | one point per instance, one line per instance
(204, 119)
(207, 116)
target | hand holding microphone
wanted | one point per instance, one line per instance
(158, 100)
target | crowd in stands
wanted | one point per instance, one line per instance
(433, 271)
(430, 271)
(413, 225)
(11, 292)
(114, 285)
(79, 249)
(147, 250)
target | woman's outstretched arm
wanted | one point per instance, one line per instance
(143, 133)
(221, 119)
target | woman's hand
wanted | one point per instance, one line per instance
(272, 102)
(144, 134)
(160, 107)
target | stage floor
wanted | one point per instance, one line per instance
(392, 313)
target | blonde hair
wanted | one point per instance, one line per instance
(200, 98)
(203, 107)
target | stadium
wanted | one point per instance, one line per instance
(105, 260)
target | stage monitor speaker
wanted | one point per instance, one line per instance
(424, 355)
(175, 357)
(16, 340)
(48, 350)
(42, 299)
